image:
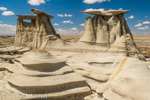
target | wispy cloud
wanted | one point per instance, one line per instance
(91, 9)
(56, 24)
(65, 15)
(68, 22)
(71, 31)
(139, 20)
(143, 28)
(7, 29)
(60, 15)
(69, 15)
(138, 32)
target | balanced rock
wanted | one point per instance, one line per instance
(32, 34)
(109, 30)
(106, 13)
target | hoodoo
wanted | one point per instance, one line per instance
(109, 30)
(32, 34)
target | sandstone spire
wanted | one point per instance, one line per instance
(88, 32)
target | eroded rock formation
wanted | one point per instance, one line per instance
(99, 68)
(109, 30)
(32, 34)
(113, 77)
(39, 74)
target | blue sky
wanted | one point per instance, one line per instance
(68, 19)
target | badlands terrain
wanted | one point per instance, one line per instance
(105, 63)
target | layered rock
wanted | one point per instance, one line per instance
(115, 77)
(11, 50)
(40, 74)
(109, 30)
(32, 34)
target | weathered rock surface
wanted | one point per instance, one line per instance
(41, 74)
(107, 32)
(111, 34)
(106, 13)
(98, 62)
(14, 50)
(115, 77)
(32, 34)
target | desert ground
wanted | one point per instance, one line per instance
(142, 41)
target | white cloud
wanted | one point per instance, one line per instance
(65, 15)
(139, 24)
(70, 15)
(146, 16)
(67, 22)
(143, 28)
(120, 9)
(60, 15)
(0, 21)
(7, 13)
(93, 1)
(36, 2)
(7, 29)
(56, 24)
(91, 9)
(3, 8)
(140, 32)
(71, 31)
(146, 22)
(82, 24)
(131, 17)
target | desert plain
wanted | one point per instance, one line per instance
(142, 41)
